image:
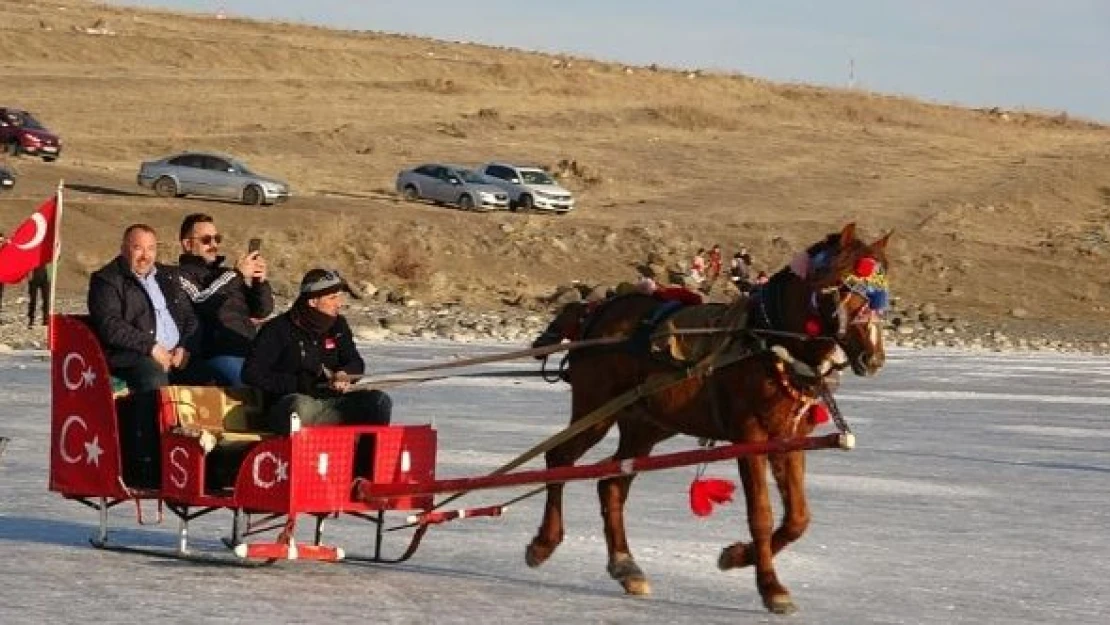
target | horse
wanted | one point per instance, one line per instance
(781, 347)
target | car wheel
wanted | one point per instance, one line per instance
(524, 204)
(50, 159)
(410, 194)
(165, 187)
(466, 203)
(252, 195)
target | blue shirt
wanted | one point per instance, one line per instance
(165, 328)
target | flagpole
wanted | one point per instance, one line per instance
(55, 255)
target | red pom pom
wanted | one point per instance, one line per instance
(866, 266)
(818, 414)
(813, 326)
(704, 492)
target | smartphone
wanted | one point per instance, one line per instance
(255, 245)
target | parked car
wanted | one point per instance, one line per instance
(21, 133)
(451, 184)
(7, 178)
(213, 175)
(529, 187)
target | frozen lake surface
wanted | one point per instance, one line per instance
(979, 492)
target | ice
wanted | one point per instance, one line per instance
(979, 492)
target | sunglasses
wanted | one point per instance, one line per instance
(208, 239)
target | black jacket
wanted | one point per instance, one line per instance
(225, 304)
(285, 358)
(123, 316)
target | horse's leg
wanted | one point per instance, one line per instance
(613, 493)
(753, 473)
(550, 533)
(789, 470)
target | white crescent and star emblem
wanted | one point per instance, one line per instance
(40, 233)
(87, 377)
(93, 451)
(281, 470)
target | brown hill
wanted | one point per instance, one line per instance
(993, 210)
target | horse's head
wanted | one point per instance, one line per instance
(836, 289)
(849, 282)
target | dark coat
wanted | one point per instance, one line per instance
(225, 304)
(285, 358)
(123, 316)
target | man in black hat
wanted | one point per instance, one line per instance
(305, 360)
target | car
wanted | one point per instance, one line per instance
(529, 187)
(21, 133)
(211, 174)
(451, 184)
(7, 179)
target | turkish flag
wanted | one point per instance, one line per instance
(31, 244)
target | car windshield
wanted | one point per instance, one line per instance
(535, 176)
(471, 176)
(242, 168)
(32, 123)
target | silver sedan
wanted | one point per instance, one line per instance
(213, 175)
(451, 184)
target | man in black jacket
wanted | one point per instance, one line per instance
(227, 300)
(142, 317)
(147, 328)
(305, 360)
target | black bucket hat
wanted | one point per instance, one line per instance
(321, 282)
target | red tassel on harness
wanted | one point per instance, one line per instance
(818, 414)
(704, 492)
(813, 326)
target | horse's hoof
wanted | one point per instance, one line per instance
(734, 557)
(625, 570)
(638, 586)
(537, 552)
(780, 604)
(532, 557)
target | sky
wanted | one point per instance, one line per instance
(976, 495)
(1028, 54)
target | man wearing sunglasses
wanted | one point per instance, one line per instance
(227, 299)
(305, 361)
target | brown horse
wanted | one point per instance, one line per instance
(822, 309)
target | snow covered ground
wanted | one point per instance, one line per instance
(979, 492)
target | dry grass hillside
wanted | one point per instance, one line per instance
(993, 211)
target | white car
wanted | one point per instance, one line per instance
(529, 187)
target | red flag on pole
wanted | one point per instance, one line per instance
(31, 244)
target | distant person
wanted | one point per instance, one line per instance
(739, 271)
(226, 299)
(714, 263)
(761, 278)
(38, 285)
(697, 266)
(305, 361)
(3, 242)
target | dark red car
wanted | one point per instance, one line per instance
(21, 133)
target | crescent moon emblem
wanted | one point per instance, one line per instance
(62, 438)
(40, 233)
(70, 384)
(257, 469)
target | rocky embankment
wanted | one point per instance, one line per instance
(391, 318)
